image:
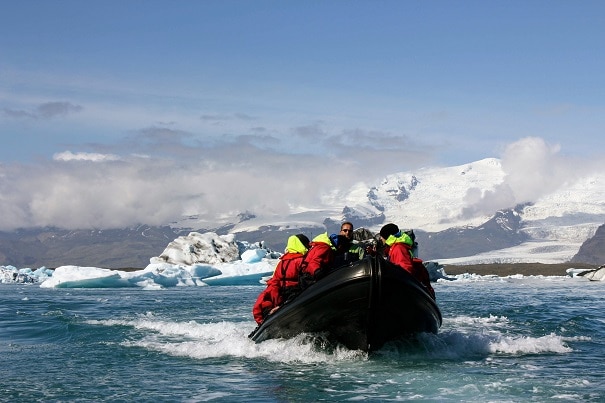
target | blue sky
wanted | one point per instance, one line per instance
(260, 90)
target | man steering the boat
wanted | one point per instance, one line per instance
(355, 252)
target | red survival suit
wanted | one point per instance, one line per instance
(285, 277)
(400, 253)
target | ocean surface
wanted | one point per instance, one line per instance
(502, 339)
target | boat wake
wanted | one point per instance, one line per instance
(464, 338)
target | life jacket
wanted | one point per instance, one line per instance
(401, 253)
(400, 237)
(356, 249)
(284, 282)
(353, 254)
(288, 268)
(320, 256)
(400, 250)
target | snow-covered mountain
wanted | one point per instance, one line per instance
(463, 214)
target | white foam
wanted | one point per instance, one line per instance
(220, 339)
(464, 337)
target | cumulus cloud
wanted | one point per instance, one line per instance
(159, 174)
(532, 168)
(91, 191)
(46, 110)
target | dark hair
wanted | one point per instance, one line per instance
(347, 223)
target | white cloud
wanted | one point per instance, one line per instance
(94, 157)
(164, 177)
(160, 174)
(533, 168)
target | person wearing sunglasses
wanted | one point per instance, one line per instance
(355, 251)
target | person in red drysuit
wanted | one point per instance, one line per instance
(322, 256)
(284, 280)
(399, 252)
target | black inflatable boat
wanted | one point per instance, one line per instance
(362, 306)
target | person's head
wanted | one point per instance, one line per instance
(304, 240)
(346, 229)
(298, 244)
(388, 230)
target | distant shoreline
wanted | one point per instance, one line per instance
(498, 269)
(509, 269)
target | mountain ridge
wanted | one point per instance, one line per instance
(450, 209)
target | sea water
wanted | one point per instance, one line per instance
(502, 339)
